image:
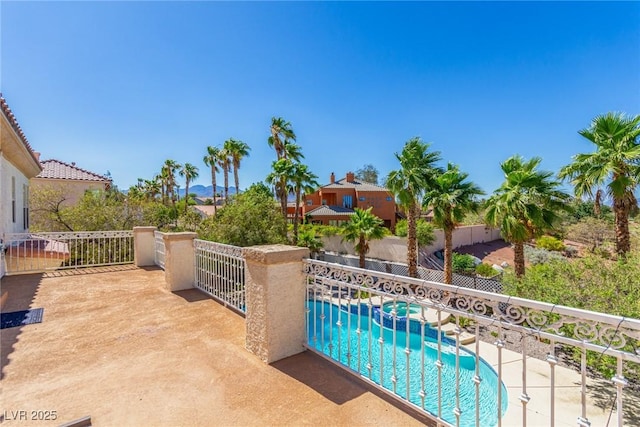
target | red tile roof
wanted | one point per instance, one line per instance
(6, 111)
(55, 169)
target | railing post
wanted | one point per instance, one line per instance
(275, 296)
(179, 260)
(143, 246)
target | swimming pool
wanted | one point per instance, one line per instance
(333, 332)
(402, 308)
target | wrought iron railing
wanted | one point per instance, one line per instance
(394, 331)
(38, 252)
(220, 272)
(158, 237)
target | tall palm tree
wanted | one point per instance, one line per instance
(615, 164)
(362, 227)
(416, 174)
(190, 172)
(170, 168)
(279, 178)
(225, 163)
(303, 180)
(281, 133)
(526, 205)
(151, 188)
(451, 197)
(237, 150)
(211, 159)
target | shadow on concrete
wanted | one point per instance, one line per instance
(603, 394)
(18, 293)
(192, 295)
(336, 384)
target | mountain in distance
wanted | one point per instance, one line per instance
(202, 191)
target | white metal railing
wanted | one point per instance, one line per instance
(38, 252)
(159, 248)
(220, 272)
(392, 331)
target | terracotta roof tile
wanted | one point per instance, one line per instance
(356, 184)
(331, 211)
(6, 111)
(55, 169)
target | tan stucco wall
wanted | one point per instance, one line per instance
(73, 190)
(393, 248)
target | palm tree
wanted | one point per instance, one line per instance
(225, 163)
(362, 227)
(279, 178)
(303, 180)
(190, 173)
(211, 159)
(525, 206)
(615, 164)
(170, 168)
(416, 173)
(451, 197)
(151, 188)
(281, 133)
(308, 239)
(236, 150)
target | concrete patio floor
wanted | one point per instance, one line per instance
(118, 347)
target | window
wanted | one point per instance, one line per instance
(389, 198)
(309, 202)
(361, 199)
(347, 202)
(13, 199)
(324, 202)
(25, 206)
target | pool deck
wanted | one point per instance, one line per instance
(116, 346)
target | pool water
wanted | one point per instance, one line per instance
(336, 337)
(401, 308)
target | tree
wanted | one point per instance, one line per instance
(225, 163)
(308, 239)
(281, 132)
(212, 160)
(368, 173)
(169, 170)
(237, 150)
(451, 197)
(251, 218)
(615, 164)
(525, 206)
(303, 180)
(424, 231)
(416, 173)
(362, 227)
(190, 173)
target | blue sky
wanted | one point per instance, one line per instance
(122, 86)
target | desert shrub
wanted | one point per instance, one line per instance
(463, 263)
(485, 270)
(538, 256)
(592, 231)
(550, 243)
(570, 251)
(591, 284)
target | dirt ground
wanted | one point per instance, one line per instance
(495, 252)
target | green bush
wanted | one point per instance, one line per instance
(463, 263)
(485, 270)
(424, 231)
(550, 243)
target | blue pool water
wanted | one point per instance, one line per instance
(337, 341)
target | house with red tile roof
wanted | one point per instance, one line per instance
(334, 203)
(70, 179)
(18, 164)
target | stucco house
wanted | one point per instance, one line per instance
(334, 203)
(71, 180)
(18, 164)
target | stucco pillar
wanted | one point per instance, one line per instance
(275, 296)
(144, 246)
(179, 260)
